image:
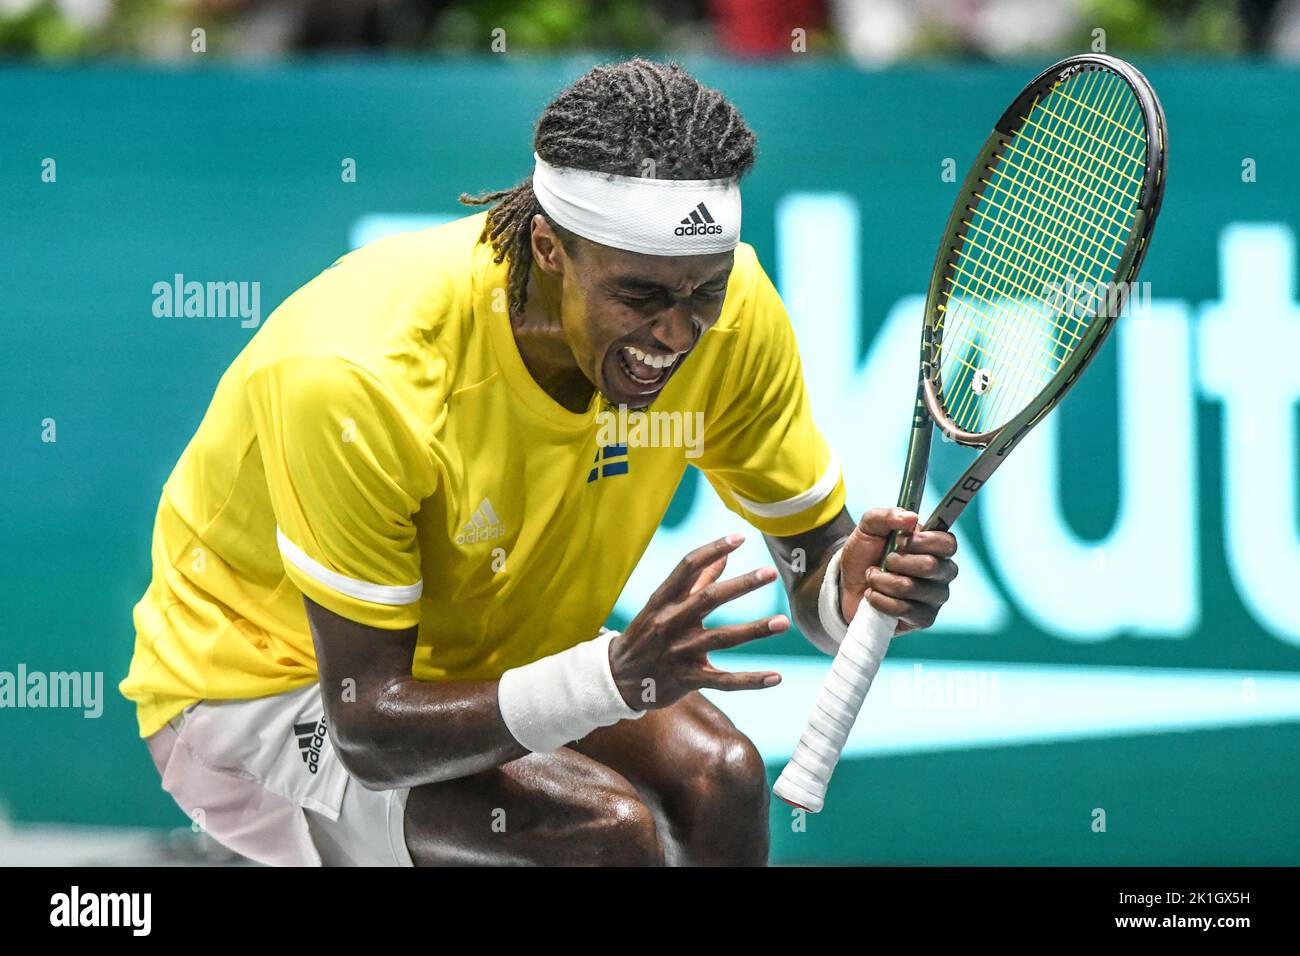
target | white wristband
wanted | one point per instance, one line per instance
(564, 697)
(828, 602)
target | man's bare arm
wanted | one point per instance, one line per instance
(802, 559)
(399, 731)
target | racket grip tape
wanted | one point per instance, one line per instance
(805, 778)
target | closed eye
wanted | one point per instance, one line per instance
(641, 300)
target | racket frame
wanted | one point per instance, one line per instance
(929, 411)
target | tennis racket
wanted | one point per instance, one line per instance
(1048, 232)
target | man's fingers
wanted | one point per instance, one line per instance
(918, 617)
(921, 566)
(894, 607)
(713, 679)
(688, 569)
(881, 522)
(942, 544)
(712, 596)
(733, 635)
(919, 590)
(866, 545)
(912, 615)
(914, 583)
(710, 574)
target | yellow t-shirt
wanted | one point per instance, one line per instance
(380, 447)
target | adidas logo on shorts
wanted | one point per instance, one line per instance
(311, 737)
(698, 223)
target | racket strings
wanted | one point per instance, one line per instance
(1040, 246)
(1042, 204)
(1014, 269)
(1072, 127)
(1107, 208)
(1099, 258)
(1026, 237)
(1108, 246)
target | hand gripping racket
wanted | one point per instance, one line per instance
(1047, 234)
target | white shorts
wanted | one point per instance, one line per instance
(261, 777)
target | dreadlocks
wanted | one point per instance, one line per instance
(632, 119)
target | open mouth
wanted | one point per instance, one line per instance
(644, 373)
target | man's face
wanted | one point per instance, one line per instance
(632, 319)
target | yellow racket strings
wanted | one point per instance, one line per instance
(1040, 247)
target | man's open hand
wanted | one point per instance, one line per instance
(667, 644)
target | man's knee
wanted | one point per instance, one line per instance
(729, 777)
(624, 832)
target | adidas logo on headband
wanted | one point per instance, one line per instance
(698, 223)
(636, 213)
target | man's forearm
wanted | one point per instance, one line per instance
(802, 561)
(414, 732)
(804, 593)
(392, 730)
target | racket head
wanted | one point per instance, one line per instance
(1048, 231)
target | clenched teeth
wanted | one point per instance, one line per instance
(653, 361)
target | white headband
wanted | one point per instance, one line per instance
(660, 217)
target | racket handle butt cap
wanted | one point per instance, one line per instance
(798, 795)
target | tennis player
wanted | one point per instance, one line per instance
(381, 569)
